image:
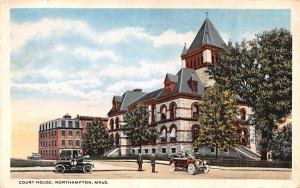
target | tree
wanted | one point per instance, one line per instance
(96, 140)
(137, 128)
(282, 144)
(260, 72)
(218, 113)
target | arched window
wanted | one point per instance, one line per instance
(117, 122)
(111, 123)
(163, 134)
(173, 108)
(195, 132)
(173, 133)
(163, 112)
(243, 114)
(243, 136)
(195, 110)
(117, 140)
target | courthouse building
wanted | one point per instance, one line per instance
(174, 107)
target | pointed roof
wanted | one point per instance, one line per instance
(184, 49)
(207, 35)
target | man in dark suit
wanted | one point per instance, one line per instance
(140, 161)
(153, 163)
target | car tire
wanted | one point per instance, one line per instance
(206, 169)
(87, 169)
(191, 169)
(59, 168)
(173, 167)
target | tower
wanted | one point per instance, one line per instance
(202, 51)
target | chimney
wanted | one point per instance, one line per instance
(137, 90)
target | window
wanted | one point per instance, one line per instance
(163, 112)
(52, 125)
(77, 143)
(55, 124)
(153, 150)
(54, 152)
(226, 150)
(63, 142)
(173, 109)
(146, 150)
(55, 133)
(111, 123)
(173, 150)
(195, 110)
(195, 132)
(212, 150)
(139, 150)
(63, 123)
(77, 124)
(70, 132)
(133, 151)
(54, 142)
(163, 150)
(52, 133)
(77, 133)
(173, 133)
(243, 114)
(63, 133)
(70, 142)
(88, 124)
(163, 134)
(117, 122)
(70, 124)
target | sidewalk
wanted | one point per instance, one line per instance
(159, 162)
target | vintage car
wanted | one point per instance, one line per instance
(74, 165)
(189, 163)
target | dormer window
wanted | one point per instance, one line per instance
(170, 81)
(193, 83)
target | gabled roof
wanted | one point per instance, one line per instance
(118, 98)
(129, 97)
(184, 75)
(172, 77)
(206, 35)
(151, 95)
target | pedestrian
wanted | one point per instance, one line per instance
(153, 163)
(140, 161)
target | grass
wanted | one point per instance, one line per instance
(30, 163)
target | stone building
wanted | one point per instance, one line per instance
(174, 107)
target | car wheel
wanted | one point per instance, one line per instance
(191, 169)
(87, 168)
(206, 169)
(173, 167)
(60, 168)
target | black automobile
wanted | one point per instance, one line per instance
(75, 165)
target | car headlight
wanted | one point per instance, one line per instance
(197, 162)
(204, 162)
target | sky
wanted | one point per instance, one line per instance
(75, 60)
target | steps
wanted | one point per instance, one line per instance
(115, 152)
(245, 152)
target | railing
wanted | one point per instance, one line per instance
(233, 162)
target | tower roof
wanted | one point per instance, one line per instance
(207, 35)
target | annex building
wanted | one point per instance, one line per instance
(174, 107)
(62, 137)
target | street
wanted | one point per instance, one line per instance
(128, 170)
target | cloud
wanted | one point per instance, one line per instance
(132, 84)
(45, 28)
(95, 54)
(225, 36)
(146, 69)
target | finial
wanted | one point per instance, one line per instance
(206, 14)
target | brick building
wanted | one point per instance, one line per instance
(62, 137)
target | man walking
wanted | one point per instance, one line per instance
(140, 161)
(153, 163)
